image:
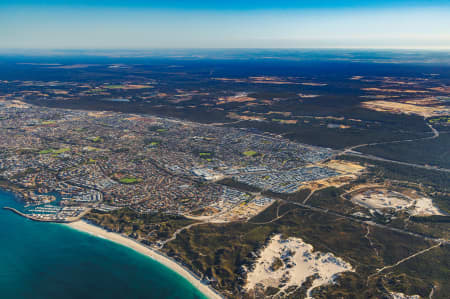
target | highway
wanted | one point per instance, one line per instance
(351, 152)
(372, 157)
(368, 222)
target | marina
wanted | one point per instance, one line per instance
(64, 253)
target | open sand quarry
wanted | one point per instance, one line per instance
(381, 198)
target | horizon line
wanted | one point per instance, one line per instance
(225, 48)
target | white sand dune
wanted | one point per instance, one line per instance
(403, 296)
(300, 261)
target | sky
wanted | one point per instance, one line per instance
(140, 24)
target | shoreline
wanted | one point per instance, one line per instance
(99, 232)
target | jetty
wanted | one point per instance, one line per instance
(54, 220)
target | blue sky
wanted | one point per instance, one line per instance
(116, 24)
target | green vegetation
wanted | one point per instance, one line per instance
(96, 139)
(148, 228)
(220, 250)
(54, 151)
(432, 151)
(298, 196)
(48, 122)
(270, 291)
(61, 150)
(312, 127)
(250, 153)
(434, 218)
(152, 142)
(206, 156)
(277, 264)
(91, 149)
(432, 182)
(46, 151)
(430, 269)
(330, 198)
(96, 90)
(130, 180)
(440, 123)
(442, 119)
(114, 86)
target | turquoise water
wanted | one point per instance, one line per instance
(45, 260)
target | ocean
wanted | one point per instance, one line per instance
(47, 260)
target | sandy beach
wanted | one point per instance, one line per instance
(117, 238)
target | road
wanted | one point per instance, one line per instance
(404, 260)
(372, 157)
(309, 196)
(351, 152)
(368, 222)
(433, 130)
(178, 231)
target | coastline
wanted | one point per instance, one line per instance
(96, 231)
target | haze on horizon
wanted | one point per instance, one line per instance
(119, 24)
